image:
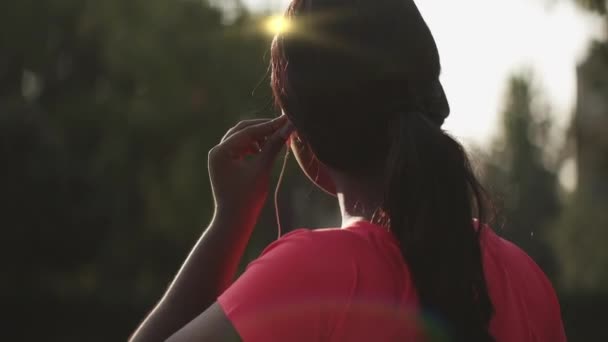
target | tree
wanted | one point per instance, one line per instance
(107, 111)
(516, 174)
(582, 228)
(593, 5)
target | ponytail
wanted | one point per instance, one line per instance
(340, 100)
(430, 198)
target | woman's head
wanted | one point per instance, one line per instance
(359, 80)
(347, 69)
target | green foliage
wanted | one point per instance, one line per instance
(107, 111)
(103, 151)
(593, 5)
(580, 232)
(516, 174)
(579, 236)
(565, 239)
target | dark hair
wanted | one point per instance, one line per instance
(359, 80)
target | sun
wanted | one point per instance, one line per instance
(277, 24)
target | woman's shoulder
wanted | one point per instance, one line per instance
(359, 238)
(308, 278)
(330, 245)
(361, 251)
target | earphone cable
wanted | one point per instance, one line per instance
(276, 192)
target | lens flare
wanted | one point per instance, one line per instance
(277, 25)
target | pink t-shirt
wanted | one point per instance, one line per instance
(353, 285)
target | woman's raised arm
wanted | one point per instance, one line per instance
(239, 169)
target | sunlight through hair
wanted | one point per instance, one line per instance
(309, 28)
(278, 24)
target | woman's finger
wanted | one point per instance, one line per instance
(255, 133)
(243, 124)
(275, 143)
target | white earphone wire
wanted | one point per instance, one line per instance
(276, 192)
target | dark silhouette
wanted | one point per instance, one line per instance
(369, 104)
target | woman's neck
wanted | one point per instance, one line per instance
(358, 201)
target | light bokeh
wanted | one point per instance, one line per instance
(483, 42)
(277, 24)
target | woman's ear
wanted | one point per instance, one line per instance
(316, 172)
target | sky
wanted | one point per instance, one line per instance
(483, 42)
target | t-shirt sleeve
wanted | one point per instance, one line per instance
(288, 293)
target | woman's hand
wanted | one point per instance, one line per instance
(240, 166)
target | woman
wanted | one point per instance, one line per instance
(358, 82)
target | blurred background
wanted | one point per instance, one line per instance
(108, 109)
